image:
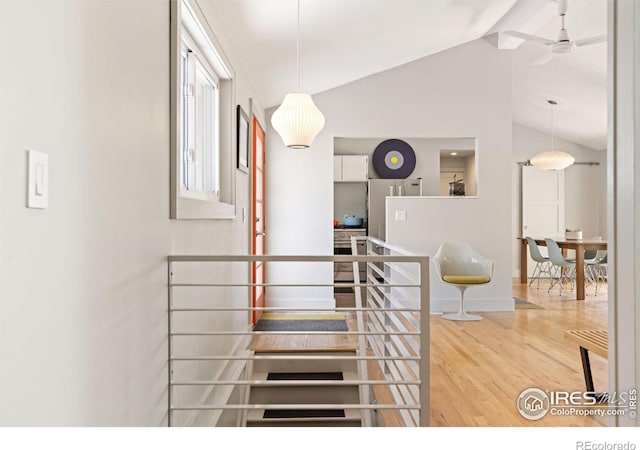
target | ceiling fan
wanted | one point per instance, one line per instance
(563, 45)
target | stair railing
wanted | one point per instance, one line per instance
(209, 332)
(397, 302)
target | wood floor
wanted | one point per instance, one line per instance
(478, 369)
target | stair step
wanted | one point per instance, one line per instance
(345, 300)
(302, 413)
(306, 365)
(351, 418)
(304, 394)
(306, 382)
(305, 376)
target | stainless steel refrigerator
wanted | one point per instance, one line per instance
(377, 192)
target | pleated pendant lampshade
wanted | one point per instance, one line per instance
(298, 120)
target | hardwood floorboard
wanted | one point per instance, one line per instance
(478, 369)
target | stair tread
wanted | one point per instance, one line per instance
(319, 352)
(343, 349)
(262, 376)
(256, 415)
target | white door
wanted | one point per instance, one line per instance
(542, 205)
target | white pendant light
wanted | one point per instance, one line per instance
(553, 159)
(298, 120)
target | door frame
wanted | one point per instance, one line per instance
(258, 224)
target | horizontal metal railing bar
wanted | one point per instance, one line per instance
(383, 244)
(293, 382)
(293, 333)
(294, 357)
(380, 294)
(400, 271)
(295, 308)
(297, 258)
(407, 296)
(290, 285)
(305, 406)
(377, 270)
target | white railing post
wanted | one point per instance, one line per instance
(362, 345)
(169, 333)
(425, 341)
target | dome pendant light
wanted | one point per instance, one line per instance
(552, 160)
(298, 120)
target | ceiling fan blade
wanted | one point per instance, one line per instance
(591, 40)
(529, 37)
(545, 59)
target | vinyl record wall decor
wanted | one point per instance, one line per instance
(394, 158)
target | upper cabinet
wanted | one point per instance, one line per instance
(350, 168)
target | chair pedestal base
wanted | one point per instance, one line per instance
(461, 316)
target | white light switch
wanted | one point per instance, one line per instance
(38, 180)
(401, 216)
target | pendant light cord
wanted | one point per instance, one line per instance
(552, 103)
(298, 49)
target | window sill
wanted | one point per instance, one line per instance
(193, 208)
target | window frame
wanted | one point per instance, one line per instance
(189, 28)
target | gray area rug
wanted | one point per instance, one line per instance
(301, 325)
(524, 304)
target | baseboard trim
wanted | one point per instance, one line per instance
(437, 305)
(473, 304)
(319, 303)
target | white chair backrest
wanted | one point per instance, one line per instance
(453, 258)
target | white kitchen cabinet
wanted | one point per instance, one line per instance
(350, 168)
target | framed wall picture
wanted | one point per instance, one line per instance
(243, 140)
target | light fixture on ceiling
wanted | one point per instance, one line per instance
(454, 153)
(298, 120)
(553, 159)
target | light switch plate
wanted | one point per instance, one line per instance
(401, 216)
(38, 180)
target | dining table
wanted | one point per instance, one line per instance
(579, 245)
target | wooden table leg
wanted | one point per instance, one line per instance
(523, 261)
(579, 273)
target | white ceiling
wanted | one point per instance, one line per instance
(345, 40)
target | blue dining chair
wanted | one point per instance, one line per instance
(543, 265)
(564, 268)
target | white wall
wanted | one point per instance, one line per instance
(585, 202)
(484, 221)
(83, 284)
(445, 95)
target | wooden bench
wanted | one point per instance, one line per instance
(595, 341)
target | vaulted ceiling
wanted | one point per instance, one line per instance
(345, 40)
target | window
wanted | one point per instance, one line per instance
(200, 156)
(202, 166)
